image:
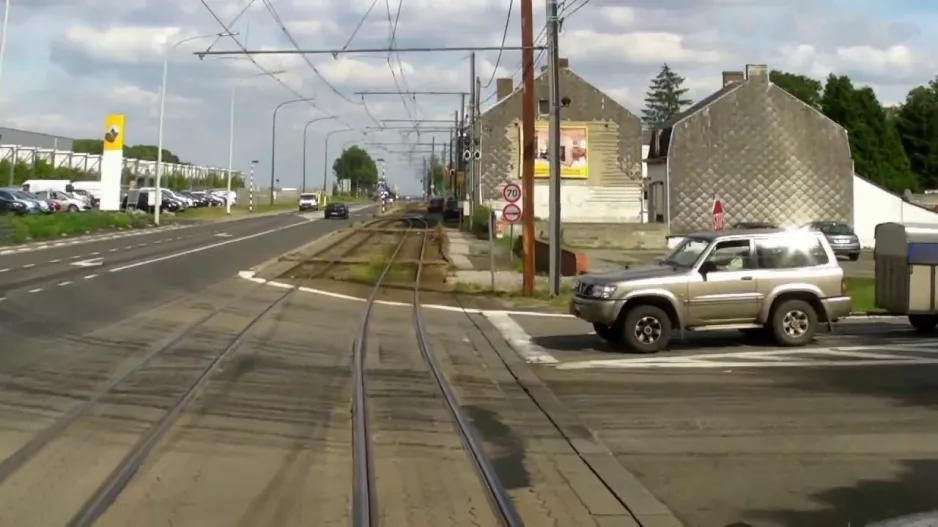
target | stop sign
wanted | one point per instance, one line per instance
(717, 215)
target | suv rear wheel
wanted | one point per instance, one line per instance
(794, 323)
(924, 323)
(646, 329)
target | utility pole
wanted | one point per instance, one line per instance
(527, 143)
(455, 153)
(432, 165)
(553, 148)
(477, 112)
(470, 180)
(426, 184)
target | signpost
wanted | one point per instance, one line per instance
(717, 215)
(511, 213)
(511, 192)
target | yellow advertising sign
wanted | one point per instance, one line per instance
(574, 153)
(114, 132)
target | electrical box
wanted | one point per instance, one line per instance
(906, 258)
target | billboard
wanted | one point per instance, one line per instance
(574, 156)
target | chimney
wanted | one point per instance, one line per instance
(503, 88)
(758, 73)
(729, 77)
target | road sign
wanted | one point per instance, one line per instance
(452, 172)
(511, 192)
(467, 155)
(477, 154)
(511, 213)
(717, 212)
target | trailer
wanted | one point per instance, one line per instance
(906, 257)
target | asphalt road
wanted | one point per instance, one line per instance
(726, 431)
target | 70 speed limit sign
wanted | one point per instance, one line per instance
(511, 192)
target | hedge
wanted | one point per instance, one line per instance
(19, 229)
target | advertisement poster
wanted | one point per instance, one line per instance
(114, 132)
(574, 157)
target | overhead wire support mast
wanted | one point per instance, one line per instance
(410, 93)
(336, 52)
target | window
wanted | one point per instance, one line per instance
(543, 107)
(790, 252)
(730, 255)
(687, 252)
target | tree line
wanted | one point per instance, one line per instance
(894, 147)
(356, 166)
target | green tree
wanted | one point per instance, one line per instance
(356, 166)
(874, 142)
(665, 97)
(805, 88)
(437, 173)
(917, 124)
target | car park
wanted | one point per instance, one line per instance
(336, 210)
(11, 205)
(781, 283)
(843, 240)
(67, 202)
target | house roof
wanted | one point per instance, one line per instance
(661, 136)
(512, 94)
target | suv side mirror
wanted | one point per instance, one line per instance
(706, 268)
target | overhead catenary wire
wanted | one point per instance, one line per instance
(498, 60)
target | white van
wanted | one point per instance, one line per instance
(41, 185)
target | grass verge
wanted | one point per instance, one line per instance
(862, 292)
(369, 273)
(217, 213)
(23, 229)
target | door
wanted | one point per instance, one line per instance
(725, 290)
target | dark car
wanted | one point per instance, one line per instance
(11, 205)
(746, 225)
(843, 240)
(435, 206)
(336, 210)
(452, 211)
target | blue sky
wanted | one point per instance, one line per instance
(70, 62)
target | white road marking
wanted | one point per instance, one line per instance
(112, 250)
(3, 270)
(38, 289)
(203, 248)
(93, 262)
(157, 242)
(95, 253)
(519, 339)
(223, 235)
(90, 276)
(74, 257)
(57, 260)
(27, 266)
(65, 283)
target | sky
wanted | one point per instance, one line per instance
(69, 63)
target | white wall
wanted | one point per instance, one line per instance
(873, 205)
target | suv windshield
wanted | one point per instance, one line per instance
(687, 252)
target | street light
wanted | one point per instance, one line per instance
(305, 130)
(159, 139)
(3, 39)
(273, 142)
(231, 123)
(325, 156)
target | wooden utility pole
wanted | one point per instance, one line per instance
(527, 146)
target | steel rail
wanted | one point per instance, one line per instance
(24, 453)
(501, 502)
(110, 489)
(364, 496)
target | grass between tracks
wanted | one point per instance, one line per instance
(21, 229)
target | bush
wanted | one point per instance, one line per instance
(480, 221)
(25, 228)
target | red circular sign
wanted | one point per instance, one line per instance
(511, 213)
(511, 192)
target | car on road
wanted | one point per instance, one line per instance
(435, 205)
(336, 210)
(781, 283)
(308, 202)
(452, 211)
(841, 237)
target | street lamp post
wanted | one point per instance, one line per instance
(3, 39)
(159, 140)
(305, 130)
(325, 157)
(273, 142)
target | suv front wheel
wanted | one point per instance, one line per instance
(646, 329)
(607, 333)
(794, 323)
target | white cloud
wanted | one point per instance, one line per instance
(637, 48)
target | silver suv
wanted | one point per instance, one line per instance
(783, 283)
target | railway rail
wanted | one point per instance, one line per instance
(364, 496)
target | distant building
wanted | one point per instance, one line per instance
(11, 136)
(765, 154)
(601, 148)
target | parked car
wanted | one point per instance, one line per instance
(781, 283)
(66, 201)
(336, 210)
(841, 237)
(753, 225)
(10, 205)
(308, 202)
(43, 205)
(436, 205)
